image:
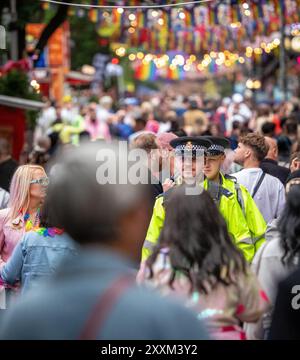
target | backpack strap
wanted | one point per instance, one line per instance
(257, 186)
(104, 306)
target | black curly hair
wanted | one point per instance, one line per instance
(198, 241)
(289, 226)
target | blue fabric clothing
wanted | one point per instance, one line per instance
(36, 257)
(60, 308)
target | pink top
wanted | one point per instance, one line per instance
(152, 125)
(97, 129)
(11, 233)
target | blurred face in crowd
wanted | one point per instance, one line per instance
(212, 165)
(38, 190)
(295, 164)
(92, 114)
(242, 152)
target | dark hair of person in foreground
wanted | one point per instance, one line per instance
(289, 226)
(198, 241)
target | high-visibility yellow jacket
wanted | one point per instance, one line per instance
(244, 221)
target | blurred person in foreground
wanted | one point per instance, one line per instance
(279, 255)
(199, 264)
(94, 296)
(286, 316)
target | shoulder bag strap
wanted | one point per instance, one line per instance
(104, 306)
(257, 186)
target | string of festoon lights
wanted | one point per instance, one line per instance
(149, 6)
(225, 57)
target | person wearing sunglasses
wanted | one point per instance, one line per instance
(27, 192)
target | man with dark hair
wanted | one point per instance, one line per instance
(266, 190)
(7, 164)
(268, 129)
(270, 163)
(94, 295)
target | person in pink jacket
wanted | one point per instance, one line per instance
(27, 192)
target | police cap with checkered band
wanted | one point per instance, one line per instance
(218, 145)
(190, 143)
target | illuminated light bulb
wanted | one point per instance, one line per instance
(207, 57)
(182, 15)
(245, 6)
(132, 57)
(219, 62)
(249, 49)
(154, 13)
(256, 84)
(200, 67)
(131, 17)
(186, 68)
(247, 12)
(121, 51)
(160, 21)
(276, 42)
(241, 60)
(248, 54)
(257, 51)
(131, 30)
(235, 25)
(193, 58)
(105, 14)
(249, 84)
(140, 55)
(120, 10)
(133, 23)
(148, 57)
(213, 54)
(221, 56)
(263, 45)
(228, 63)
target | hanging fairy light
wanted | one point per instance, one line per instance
(131, 17)
(181, 15)
(120, 10)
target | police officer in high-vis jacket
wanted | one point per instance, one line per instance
(244, 221)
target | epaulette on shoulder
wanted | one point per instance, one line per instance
(160, 195)
(230, 177)
(226, 192)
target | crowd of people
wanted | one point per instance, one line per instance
(155, 260)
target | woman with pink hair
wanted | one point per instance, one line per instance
(27, 192)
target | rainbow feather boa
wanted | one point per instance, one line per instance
(51, 231)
